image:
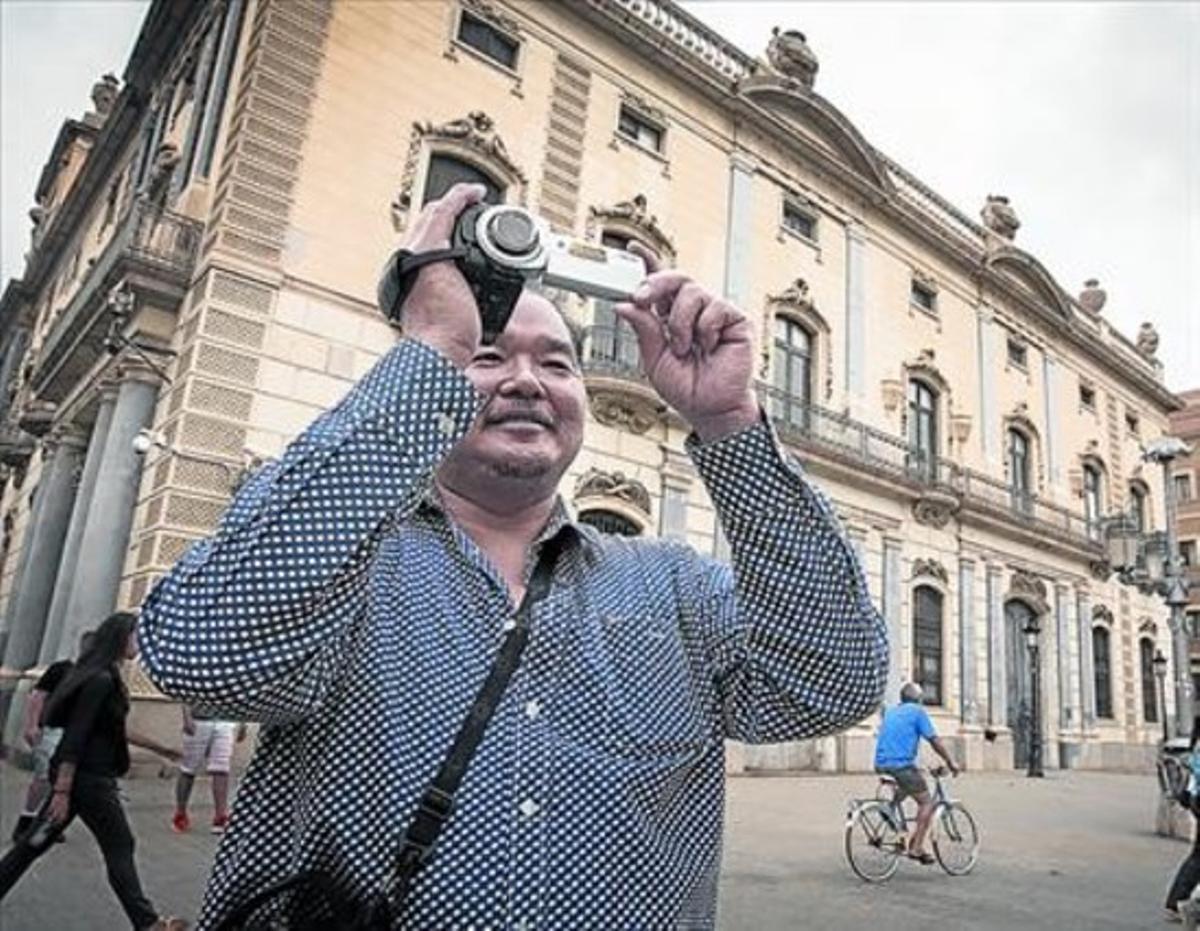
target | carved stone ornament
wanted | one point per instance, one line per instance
(158, 181)
(932, 568)
(37, 417)
(625, 411)
(104, 94)
(1101, 570)
(935, 508)
(473, 137)
(1102, 615)
(596, 483)
(489, 13)
(1028, 586)
(1147, 340)
(633, 218)
(1146, 625)
(926, 281)
(960, 428)
(1092, 297)
(788, 54)
(999, 216)
(892, 392)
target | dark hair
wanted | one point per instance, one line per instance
(102, 652)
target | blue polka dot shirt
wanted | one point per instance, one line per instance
(339, 606)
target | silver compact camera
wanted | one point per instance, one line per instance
(500, 248)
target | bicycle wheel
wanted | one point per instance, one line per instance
(873, 844)
(955, 839)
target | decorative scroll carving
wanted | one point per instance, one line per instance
(1102, 615)
(626, 411)
(632, 218)
(474, 138)
(932, 568)
(493, 16)
(935, 508)
(1100, 569)
(596, 483)
(794, 302)
(1029, 587)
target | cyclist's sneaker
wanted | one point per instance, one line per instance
(220, 823)
(181, 823)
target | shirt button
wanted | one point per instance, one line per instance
(508, 625)
(446, 425)
(533, 708)
(529, 808)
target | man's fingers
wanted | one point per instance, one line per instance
(659, 289)
(648, 329)
(648, 255)
(712, 322)
(690, 300)
(435, 223)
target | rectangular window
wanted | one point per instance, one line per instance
(488, 41)
(637, 129)
(1018, 353)
(1087, 397)
(798, 220)
(674, 513)
(1187, 552)
(923, 296)
(1183, 487)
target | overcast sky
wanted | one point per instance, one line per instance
(1087, 115)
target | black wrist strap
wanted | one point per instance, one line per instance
(437, 801)
(401, 275)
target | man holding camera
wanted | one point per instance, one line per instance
(358, 591)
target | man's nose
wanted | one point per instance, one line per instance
(521, 380)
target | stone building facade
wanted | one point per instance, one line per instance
(1185, 477)
(207, 242)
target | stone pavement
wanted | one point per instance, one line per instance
(1072, 851)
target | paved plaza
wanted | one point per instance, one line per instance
(1070, 851)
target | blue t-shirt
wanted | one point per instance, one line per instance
(900, 734)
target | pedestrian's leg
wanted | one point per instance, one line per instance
(183, 790)
(99, 807)
(220, 791)
(22, 856)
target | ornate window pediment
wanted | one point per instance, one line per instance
(1027, 587)
(597, 491)
(1102, 615)
(1032, 276)
(473, 139)
(795, 303)
(930, 569)
(632, 219)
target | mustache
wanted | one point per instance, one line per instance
(518, 414)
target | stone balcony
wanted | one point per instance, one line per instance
(154, 252)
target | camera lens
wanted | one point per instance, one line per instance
(513, 232)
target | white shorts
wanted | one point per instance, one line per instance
(51, 736)
(211, 747)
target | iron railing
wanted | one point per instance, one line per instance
(612, 350)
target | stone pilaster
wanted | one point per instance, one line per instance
(969, 688)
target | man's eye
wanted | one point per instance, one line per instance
(486, 358)
(559, 365)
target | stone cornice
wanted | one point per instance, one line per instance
(721, 71)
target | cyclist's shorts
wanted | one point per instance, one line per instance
(908, 778)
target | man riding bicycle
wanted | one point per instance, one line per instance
(896, 751)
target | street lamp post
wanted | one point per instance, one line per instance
(1164, 450)
(1032, 631)
(1160, 674)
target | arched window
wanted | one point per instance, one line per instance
(922, 426)
(445, 171)
(1019, 472)
(1102, 671)
(1092, 500)
(927, 642)
(612, 339)
(610, 522)
(1149, 686)
(1137, 507)
(792, 371)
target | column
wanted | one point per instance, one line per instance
(1066, 710)
(44, 542)
(892, 614)
(740, 241)
(1049, 424)
(106, 531)
(966, 642)
(1087, 678)
(989, 423)
(997, 665)
(856, 317)
(53, 646)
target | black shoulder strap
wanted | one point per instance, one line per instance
(400, 275)
(437, 801)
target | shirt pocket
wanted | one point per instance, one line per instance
(655, 704)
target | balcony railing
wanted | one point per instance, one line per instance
(157, 246)
(613, 351)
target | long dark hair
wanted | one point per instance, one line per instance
(102, 653)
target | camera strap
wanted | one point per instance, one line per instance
(437, 801)
(401, 275)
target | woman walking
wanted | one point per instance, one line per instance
(91, 705)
